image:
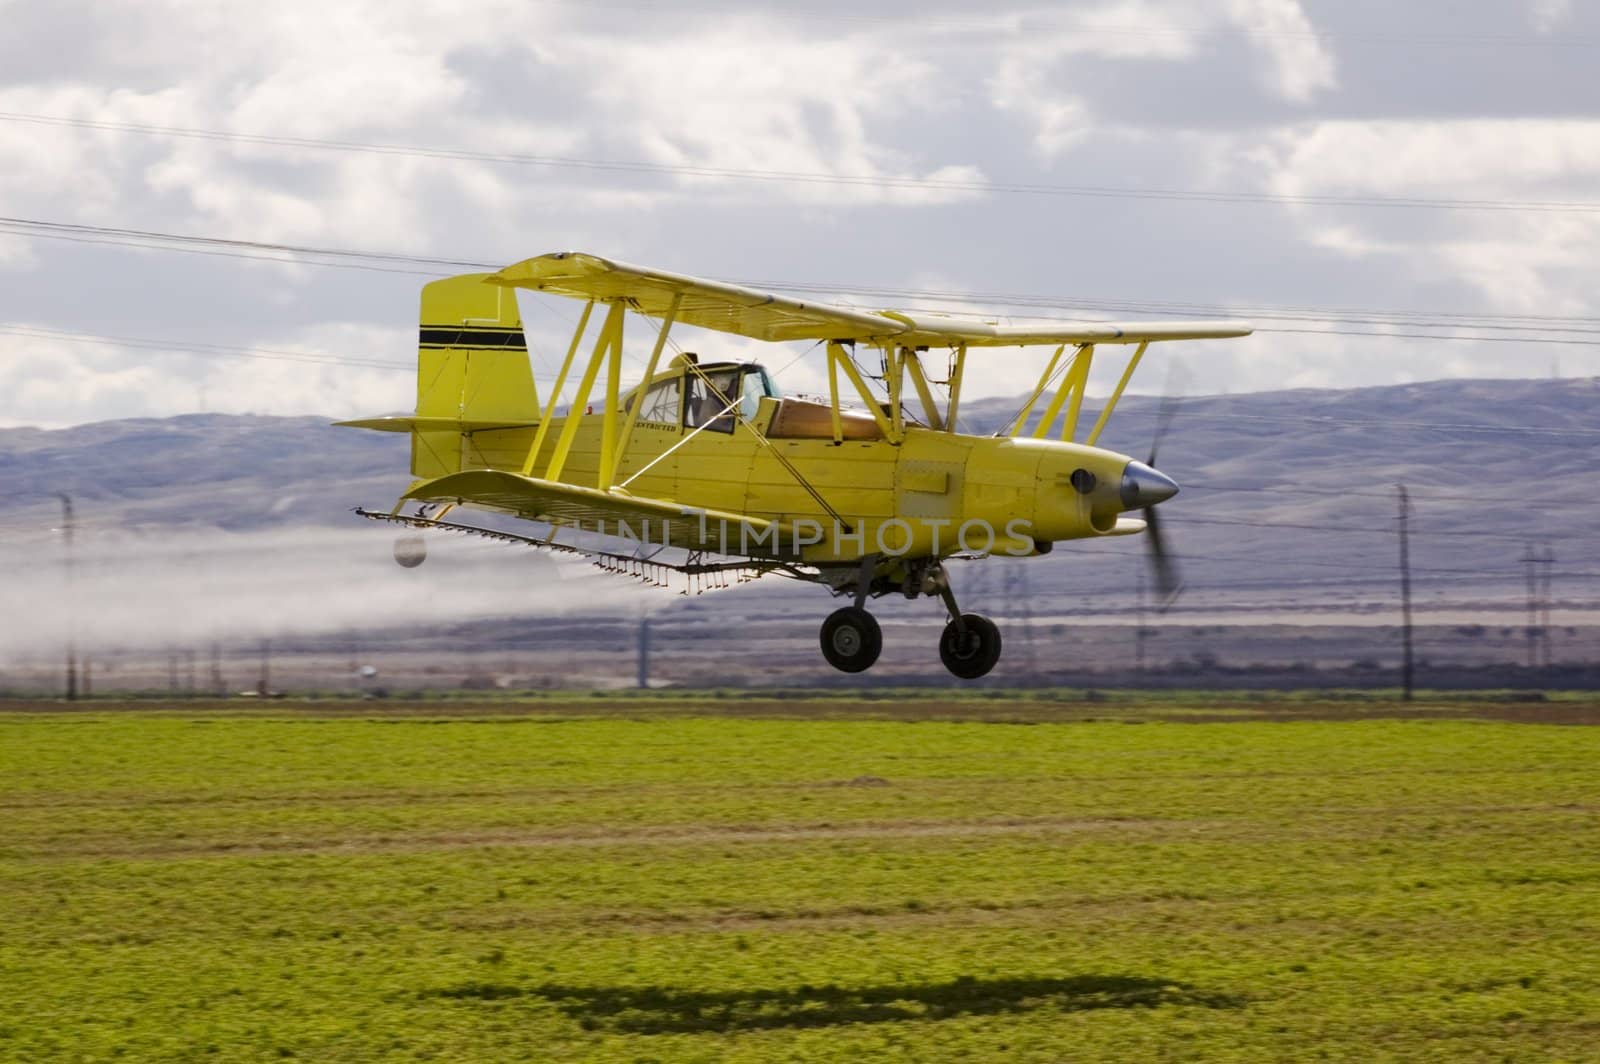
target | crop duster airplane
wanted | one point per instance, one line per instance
(706, 470)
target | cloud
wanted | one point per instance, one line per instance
(1301, 65)
(747, 96)
(1126, 93)
(1034, 77)
(1519, 260)
(50, 380)
(1549, 15)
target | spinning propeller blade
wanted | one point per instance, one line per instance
(1163, 565)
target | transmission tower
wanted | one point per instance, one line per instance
(1538, 582)
(1408, 669)
(1019, 600)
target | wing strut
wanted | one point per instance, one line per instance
(1111, 404)
(609, 341)
(1073, 385)
(608, 470)
(919, 380)
(837, 358)
(555, 395)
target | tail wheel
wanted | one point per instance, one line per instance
(973, 652)
(410, 551)
(851, 639)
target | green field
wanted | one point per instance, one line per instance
(831, 882)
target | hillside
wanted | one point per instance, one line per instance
(1288, 497)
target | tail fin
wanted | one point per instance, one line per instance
(472, 369)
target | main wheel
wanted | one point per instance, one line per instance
(851, 639)
(972, 653)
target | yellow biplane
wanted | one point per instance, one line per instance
(706, 470)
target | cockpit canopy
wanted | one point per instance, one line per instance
(705, 396)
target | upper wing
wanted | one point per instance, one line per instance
(931, 331)
(764, 316)
(707, 304)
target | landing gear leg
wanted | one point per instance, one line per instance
(970, 645)
(851, 638)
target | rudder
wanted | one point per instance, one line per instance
(472, 366)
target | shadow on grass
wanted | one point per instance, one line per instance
(664, 1010)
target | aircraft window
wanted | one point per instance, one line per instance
(768, 383)
(754, 389)
(661, 402)
(706, 404)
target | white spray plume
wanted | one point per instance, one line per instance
(184, 588)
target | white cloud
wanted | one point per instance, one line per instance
(1549, 15)
(1301, 65)
(50, 380)
(1060, 120)
(1032, 75)
(1519, 261)
(745, 96)
(945, 97)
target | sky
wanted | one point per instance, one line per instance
(1321, 168)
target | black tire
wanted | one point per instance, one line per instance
(974, 653)
(851, 639)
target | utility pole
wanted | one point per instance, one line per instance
(1531, 575)
(1548, 561)
(1538, 581)
(1538, 603)
(72, 618)
(217, 687)
(644, 652)
(1138, 634)
(264, 685)
(1408, 669)
(1019, 595)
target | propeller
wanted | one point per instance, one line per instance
(1163, 565)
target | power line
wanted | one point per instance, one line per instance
(1364, 530)
(314, 256)
(1399, 318)
(1306, 422)
(1337, 315)
(1029, 23)
(1012, 24)
(1341, 493)
(205, 350)
(1320, 420)
(274, 252)
(1436, 336)
(800, 176)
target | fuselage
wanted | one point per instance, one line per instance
(933, 494)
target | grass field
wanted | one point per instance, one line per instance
(824, 882)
